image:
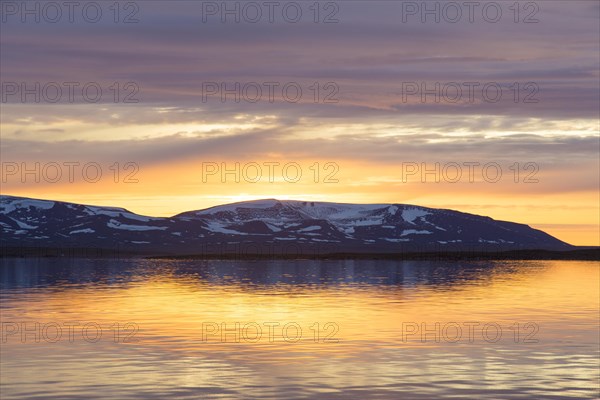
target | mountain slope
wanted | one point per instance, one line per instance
(264, 227)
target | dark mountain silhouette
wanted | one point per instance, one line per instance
(271, 226)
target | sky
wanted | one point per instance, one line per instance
(168, 106)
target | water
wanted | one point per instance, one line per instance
(151, 329)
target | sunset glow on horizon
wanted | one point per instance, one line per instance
(172, 189)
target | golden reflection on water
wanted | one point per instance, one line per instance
(373, 350)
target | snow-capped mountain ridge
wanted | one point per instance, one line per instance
(341, 226)
(333, 212)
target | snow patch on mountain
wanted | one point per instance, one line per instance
(368, 221)
(117, 225)
(411, 214)
(415, 232)
(8, 204)
(86, 230)
(219, 228)
(335, 211)
(23, 225)
(310, 228)
(273, 228)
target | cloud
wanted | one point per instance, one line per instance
(368, 54)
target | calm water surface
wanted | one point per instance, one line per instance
(158, 329)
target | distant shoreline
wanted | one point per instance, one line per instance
(584, 254)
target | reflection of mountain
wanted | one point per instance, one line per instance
(25, 273)
(292, 228)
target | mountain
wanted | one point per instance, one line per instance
(265, 227)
